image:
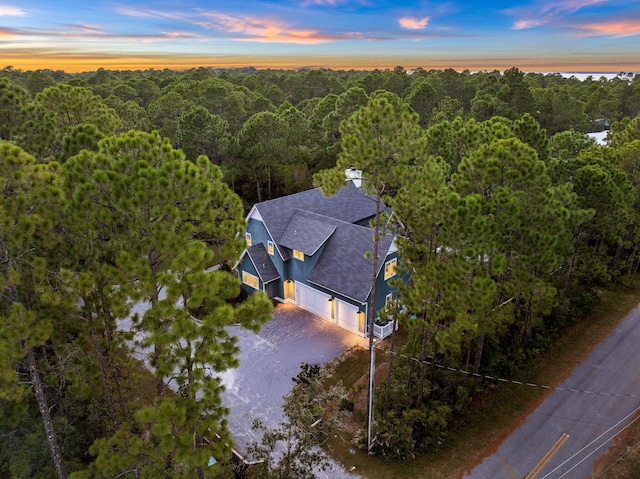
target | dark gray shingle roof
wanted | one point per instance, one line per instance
(350, 204)
(306, 232)
(344, 266)
(261, 260)
(307, 220)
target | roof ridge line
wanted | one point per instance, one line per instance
(286, 196)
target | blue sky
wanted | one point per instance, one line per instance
(534, 35)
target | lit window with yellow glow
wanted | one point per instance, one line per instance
(247, 237)
(298, 255)
(388, 299)
(250, 280)
(270, 247)
(390, 268)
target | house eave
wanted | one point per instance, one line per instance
(339, 293)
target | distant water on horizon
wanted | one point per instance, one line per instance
(580, 75)
(595, 75)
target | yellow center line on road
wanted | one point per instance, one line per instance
(547, 457)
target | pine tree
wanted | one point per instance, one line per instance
(380, 140)
(30, 204)
(158, 219)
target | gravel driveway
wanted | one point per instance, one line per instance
(268, 362)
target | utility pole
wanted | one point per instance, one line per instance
(372, 357)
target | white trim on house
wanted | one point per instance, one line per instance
(393, 247)
(255, 215)
(388, 299)
(315, 301)
(390, 274)
(248, 279)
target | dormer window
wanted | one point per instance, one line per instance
(299, 255)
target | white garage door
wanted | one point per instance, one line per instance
(347, 315)
(313, 300)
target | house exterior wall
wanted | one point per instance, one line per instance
(258, 232)
(274, 289)
(383, 288)
(365, 222)
(247, 265)
(299, 270)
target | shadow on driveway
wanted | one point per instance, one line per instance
(268, 362)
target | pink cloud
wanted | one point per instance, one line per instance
(9, 11)
(246, 27)
(569, 6)
(523, 24)
(148, 13)
(550, 12)
(333, 3)
(412, 23)
(178, 35)
(620, 28)
(87, 29)
(267, 30)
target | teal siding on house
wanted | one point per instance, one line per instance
(299, 270)
(365, 222)
(274, 289)
(259, 233)
(383, 288)
(247, 265)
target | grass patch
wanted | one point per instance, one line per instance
(502, 409)
(623, 461)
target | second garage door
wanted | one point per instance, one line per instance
(347, 316)
(313, 300)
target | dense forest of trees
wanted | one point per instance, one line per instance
(222, 114)
(121, 186)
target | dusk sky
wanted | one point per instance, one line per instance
(535, 35)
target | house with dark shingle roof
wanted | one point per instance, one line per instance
(316, 252)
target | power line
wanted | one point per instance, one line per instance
(632, 413)
(629, 451)
(512, 381)
(555, 388)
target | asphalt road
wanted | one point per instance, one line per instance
(610, 396)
